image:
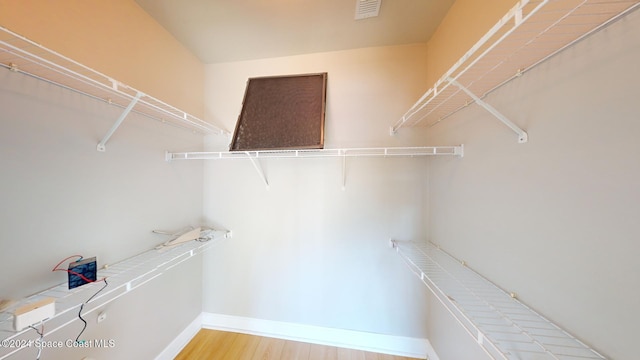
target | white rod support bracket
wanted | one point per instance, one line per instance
(517, 18)
(522, 135)
(344, 171)
(168, 156)
(101, 145)
(258, 168)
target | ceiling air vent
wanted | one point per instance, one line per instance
(367, 8)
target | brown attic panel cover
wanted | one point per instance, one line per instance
(282, 112)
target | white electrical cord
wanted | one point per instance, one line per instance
(41, 340)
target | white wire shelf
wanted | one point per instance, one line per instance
(531, 32)
(503, 326)
(255, 156)
(122, 278)
(354, 152)
(22, 55)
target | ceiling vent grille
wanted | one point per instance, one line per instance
(367, 8)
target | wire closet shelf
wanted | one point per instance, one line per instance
(504, 327)
(19, 54)
(530, 33)
(316, 153)
(123, 277)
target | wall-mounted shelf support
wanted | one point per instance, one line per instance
(256, 165)
(116, 125)
(344, 170)
(522, 135)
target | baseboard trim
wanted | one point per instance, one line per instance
(379, 343)
(174, 348)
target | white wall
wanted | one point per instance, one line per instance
(305, 251)
(555, 219)
(60, 197)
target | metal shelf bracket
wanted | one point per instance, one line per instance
(101, 145)
(344, 170)
(256, 165)
(522, 135)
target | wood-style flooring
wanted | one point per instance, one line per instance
(221, 345)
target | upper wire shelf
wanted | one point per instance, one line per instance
(122, 277)
(504, 327)
(309, 153)
(531, 32)
(22, 55)
(255, 156)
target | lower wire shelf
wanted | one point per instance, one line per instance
(122, 278)
(504, 327)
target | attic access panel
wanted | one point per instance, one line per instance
(282, 112)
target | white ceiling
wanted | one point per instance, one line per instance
(233, 30)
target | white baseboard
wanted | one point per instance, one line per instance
(174, 348)
(379, 343)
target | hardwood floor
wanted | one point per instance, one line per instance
(220, 345)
